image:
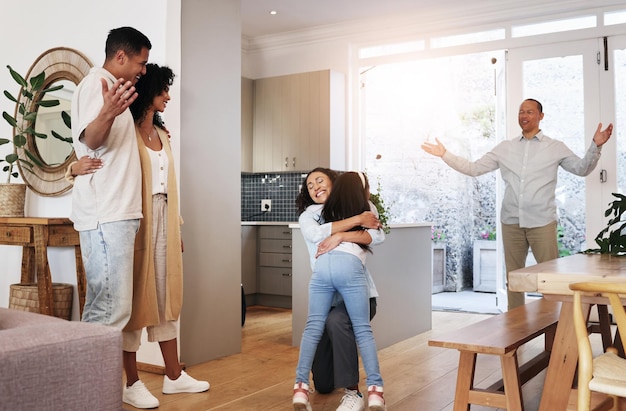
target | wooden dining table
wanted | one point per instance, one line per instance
(552, 279)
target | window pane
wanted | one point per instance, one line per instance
(617, 17)
(469, 38)
(555, 26)
(451, 99)
(390, 49)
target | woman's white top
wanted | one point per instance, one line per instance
(159, 165)
(314, 230)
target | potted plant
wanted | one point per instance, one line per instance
(12, 195)
(612, 239)
(381, 207)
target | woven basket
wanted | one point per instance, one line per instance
(25, 297)
(12, 198)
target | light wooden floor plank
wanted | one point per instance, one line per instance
(417, 377)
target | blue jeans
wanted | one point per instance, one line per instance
(344, 273)
(108, 259)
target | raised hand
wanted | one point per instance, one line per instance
(602, 136)
(118, 97)
(435, 149)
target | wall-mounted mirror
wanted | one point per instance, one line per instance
(67, 67)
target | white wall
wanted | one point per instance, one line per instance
(29, 28)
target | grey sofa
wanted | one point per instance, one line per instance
(48, 363)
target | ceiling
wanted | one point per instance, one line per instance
(303, 14)
(295, 15)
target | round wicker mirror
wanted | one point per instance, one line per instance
(67, 67)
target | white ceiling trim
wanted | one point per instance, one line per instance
(476, 16)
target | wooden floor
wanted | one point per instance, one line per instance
(261, 377)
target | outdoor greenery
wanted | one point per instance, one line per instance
(24, 122)
(383, 210)
(612, 239)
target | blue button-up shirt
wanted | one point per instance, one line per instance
(529, 169)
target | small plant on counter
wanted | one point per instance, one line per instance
(611, 239)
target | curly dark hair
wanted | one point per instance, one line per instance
(303, 199)
(348, 198)
(156, 80)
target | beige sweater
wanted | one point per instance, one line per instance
(145, 309)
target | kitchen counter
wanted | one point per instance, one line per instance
(259, 223)
(402, 270)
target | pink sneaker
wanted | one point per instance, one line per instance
(375, 399)
(301, 397)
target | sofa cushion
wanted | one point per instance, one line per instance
(52, 364)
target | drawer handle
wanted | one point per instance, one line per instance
(287, 246)
(288, 260)
(286, 274)
(286, 232)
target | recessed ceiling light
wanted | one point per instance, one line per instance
(273, 12)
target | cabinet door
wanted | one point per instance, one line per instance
(267, 124)
(272, 245)
(294, 119)
(274, 260)
(275, 281)
(281, 232)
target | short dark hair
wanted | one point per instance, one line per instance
(156, 80)
(539, 105)
(128, 39)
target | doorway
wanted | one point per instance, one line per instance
(575, 83)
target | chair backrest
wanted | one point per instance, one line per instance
(612, 291)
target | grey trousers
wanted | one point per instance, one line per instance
(336, 361)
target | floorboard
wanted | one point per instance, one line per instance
(417, 377)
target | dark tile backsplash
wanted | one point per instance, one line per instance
(281, 188)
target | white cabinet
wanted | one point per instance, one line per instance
(299, 122)
(274, 260)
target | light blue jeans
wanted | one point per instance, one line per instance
(344, 273)
(108, 259)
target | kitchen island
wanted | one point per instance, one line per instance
(402, 270)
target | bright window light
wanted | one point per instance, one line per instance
(555, 26)
(468, 38)
(390, 49)
(615, 17)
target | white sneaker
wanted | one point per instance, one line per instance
(138, 396)
(184, 383)
(351, 401)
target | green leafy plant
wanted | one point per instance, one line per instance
(611, 239)
(560, 233)
(381, 207)
(24, 121)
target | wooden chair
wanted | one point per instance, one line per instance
(607, 372)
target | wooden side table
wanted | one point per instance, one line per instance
(35, 235)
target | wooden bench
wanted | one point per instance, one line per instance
(501, 335)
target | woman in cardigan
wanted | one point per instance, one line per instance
(158, 282)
